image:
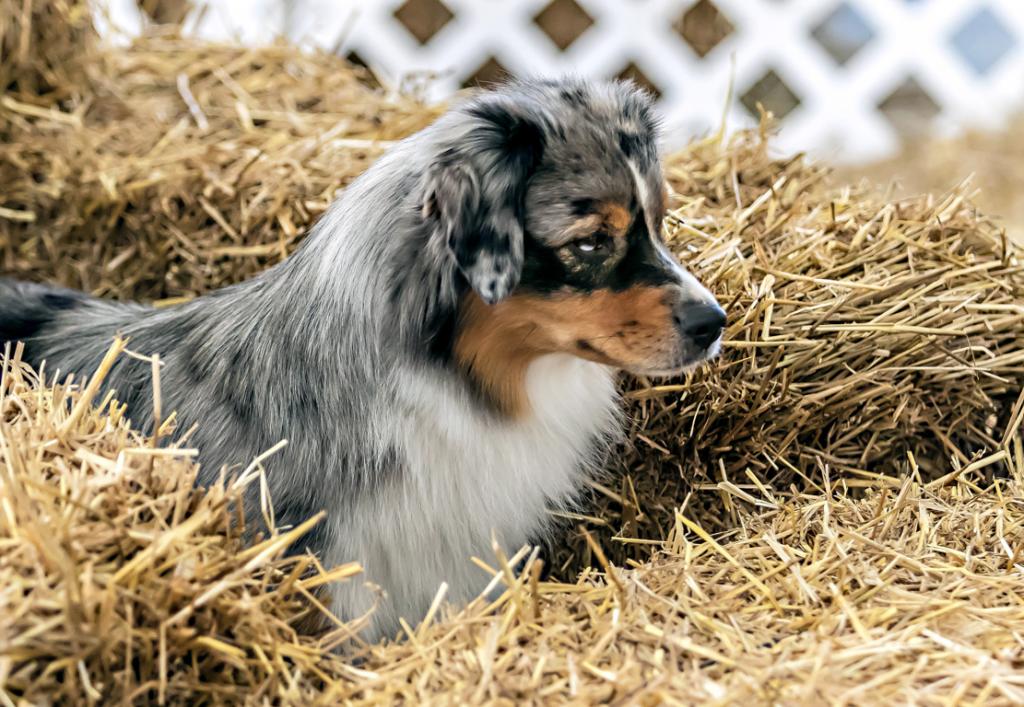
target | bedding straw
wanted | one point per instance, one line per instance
(830, 512)
(121, 582)
(861, 331)
(45, 49)
(994, 159)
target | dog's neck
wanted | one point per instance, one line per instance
(494, 347)
(495, 355)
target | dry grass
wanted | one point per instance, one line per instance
(45, 48)
(119, 581)
(912, 595)
(186, 167)
(833, 506)
(122, 583)
(861, 330)
(993, 159)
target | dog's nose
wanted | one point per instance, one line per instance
(701, 323)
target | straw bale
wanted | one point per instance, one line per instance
(45, 49)
(993, 158)
(913, 594)
(121, 581)
(188, 167)
(799, 550)
(860, 330)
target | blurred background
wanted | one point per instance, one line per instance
(869, 85)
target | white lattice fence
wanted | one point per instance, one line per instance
(847, 77)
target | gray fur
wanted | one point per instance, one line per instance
(324, 349)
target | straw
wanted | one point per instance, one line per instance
(827, 513)
(844, 607)
(122, 582)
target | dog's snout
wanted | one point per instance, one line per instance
(701, 323)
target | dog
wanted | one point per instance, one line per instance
(440, 352)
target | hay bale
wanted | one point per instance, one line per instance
(861, 331)
(45, 49)
(119, 581)
(873, 345)
(994, 158)
(908, 594)
(912, 595)
(189, 167)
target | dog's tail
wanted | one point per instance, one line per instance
(27, 309)
(40, 315)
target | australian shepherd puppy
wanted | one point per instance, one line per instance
(440, 352)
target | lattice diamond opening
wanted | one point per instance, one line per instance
(703, 27)
(488, 74)
(843, 33)
(982, 41)
(423, 19)
(771, 92)
(563, 21)
(633, 72)
(909, 107)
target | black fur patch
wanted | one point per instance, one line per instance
(60, 301)
(23, 326)
(195, 369)
(543, 272)
(575, 97)
(315, 540)
(525, 145)
(583, 207)
(442, 328)
(642, 264)
(522, 141)
(639, 111)
(304, 404)
(237, 391)
(24, 321)
(631, 144)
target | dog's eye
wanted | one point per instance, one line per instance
(590, 244)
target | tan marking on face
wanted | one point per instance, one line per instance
(616, 217)
(610, 217)
(495, 345)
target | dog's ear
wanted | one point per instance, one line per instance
(475, 191)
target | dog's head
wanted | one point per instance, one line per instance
(549, 197)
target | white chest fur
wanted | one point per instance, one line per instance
(469, 476)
